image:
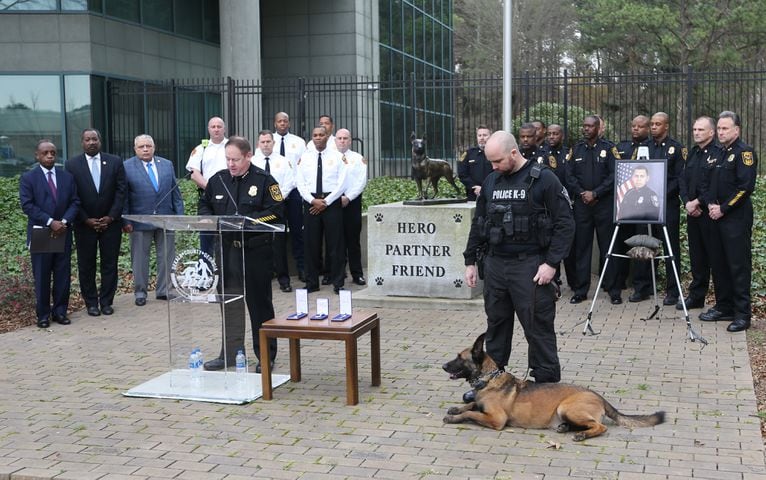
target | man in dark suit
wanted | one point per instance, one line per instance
(152, 190)
(100, 179)
(48, 196)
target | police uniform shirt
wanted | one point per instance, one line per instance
(591, 168)
(257, 195)
(547, 193)
(334, 173)
(473, 168)
(628, 149)
(640, 204)
(676, 154)
(730, 180)
(208, 159)
(294, 146)
(690, 182)
(356, 175)
(555, 159)
(330, 144)
(279, 168)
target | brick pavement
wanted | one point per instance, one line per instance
(62, 414)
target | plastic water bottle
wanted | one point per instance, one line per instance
(200, 361)
(192, 362)
(241, 362)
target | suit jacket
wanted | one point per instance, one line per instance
(38, 203)
(109, 200)
(141, 199)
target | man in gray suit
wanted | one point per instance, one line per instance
(152, 190)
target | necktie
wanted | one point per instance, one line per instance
(152, 176)
(319, 188)
(268, 167)
(52, 185)
(282, 147)
(95, 171)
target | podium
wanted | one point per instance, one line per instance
(195, 314)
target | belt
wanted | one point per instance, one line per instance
(515, 255)
(321, 195)
(253, 241)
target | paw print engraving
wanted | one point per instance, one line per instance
(378, 217)
(458, 283)
(378, 281)
(457, 217)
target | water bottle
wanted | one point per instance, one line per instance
(192, 362)
(241, 362)
(200, 361)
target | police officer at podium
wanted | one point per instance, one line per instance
(524, 223)
(244, 189)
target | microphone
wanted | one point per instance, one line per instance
(157, 205)
(228, 192)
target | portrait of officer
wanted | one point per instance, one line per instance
(640, 202)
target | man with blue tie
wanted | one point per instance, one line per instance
(48, 197)
(100, 179)
(152, 190)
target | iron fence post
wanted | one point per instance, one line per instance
(232, 106)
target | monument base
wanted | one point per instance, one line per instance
(434, 201)
(365, 299)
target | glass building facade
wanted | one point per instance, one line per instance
(415, 50)
(59, 106)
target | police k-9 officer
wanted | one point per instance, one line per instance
(727, 188)
(590, 174)
(473, 167)
(244, 189)
(524, 223)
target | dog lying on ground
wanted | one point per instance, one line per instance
(502, 399)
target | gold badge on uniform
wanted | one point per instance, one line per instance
(569, 155)
(730, 158)
(462, 157)
(684, 153)
(671, 150)
(344, 159)
(747, 158)
(615, 153)
(603, 154)
(552, 162)
(276, 193)
(253, 191)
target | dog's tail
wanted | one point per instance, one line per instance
(633, 421)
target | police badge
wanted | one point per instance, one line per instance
(253, 191)
(730, 158)
(602, 154)
(671, 150)
(552, 162)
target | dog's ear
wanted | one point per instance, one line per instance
(412, 136)
(477, 352)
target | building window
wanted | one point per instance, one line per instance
(158, 14)
(129, 10)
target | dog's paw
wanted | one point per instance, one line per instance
(457, 217)
(453, 411)
(378, 217)
(450, 419)
(458, 283)
(579, 437)
(378, 281)
(562, 428)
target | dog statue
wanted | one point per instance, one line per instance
(502, 399)
(429, 168)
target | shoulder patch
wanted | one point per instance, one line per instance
(747, 158)
(615, 153)
(552, 162)
(462, 157)
(569, 155)
(684, 153)
(276, 193)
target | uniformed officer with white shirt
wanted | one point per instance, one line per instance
(321, 180)
(291, 147)
(356, 180)
(278, 167)
(328, 123)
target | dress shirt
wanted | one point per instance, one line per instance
(294, 147)
(330, 144)
(209, 160)
(356, 178)
(333, 175)
(279, 168)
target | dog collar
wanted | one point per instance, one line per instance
(482, 380)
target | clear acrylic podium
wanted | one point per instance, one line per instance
(196, 317)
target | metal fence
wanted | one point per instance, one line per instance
(382, 114)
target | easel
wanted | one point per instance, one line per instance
(693, 336)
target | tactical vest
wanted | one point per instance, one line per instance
(514, 224)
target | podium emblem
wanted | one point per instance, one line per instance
(194, 273)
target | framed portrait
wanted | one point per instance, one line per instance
(640, 188)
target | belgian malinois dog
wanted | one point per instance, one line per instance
(430, 169)
(502, 399)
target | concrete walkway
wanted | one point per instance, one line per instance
(63, 416)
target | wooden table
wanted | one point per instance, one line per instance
(348, 331)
